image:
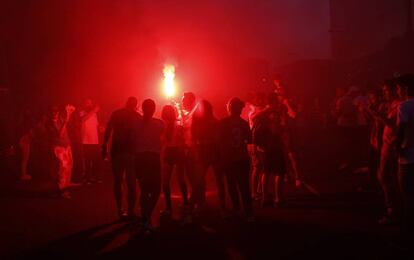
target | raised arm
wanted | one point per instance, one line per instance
(63, 129)
(390, 122)
(108, 130)
(290, 111)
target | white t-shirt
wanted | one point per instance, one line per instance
(89, 129)
(406, 116)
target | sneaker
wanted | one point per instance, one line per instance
(166, 213)
(343, 166)
(131, 217)
(237, 214)
(187, 219)
(257, 197)
(224, 215)
(363, 189)
(66, 195)
(147, 227)
(122, 215)
(250, 219)
(266, 203)
(26, 178)
(387, 220)
(361, 170)
(74, 184)
(184, 207)
(277, 204)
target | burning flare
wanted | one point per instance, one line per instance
(169, 84)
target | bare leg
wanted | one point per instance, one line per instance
(294, 168)
(279, 183)
(266, 180)
(181, 182)
(25, 148)
(218, 172)
(257, 162)
(70, 165)
(166, 181)
(256, 186)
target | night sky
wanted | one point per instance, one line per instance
(68, 49)
(280, 30)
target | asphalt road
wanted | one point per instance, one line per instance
(338, 223)
(327, 219)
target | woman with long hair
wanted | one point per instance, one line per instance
(173, 155)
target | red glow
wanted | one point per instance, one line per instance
(169, 81)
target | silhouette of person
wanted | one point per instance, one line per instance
(119, 129)
(147, 142)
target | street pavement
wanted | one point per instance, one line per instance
(335, 222)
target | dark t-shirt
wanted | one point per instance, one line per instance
(269, 128)
(204, 131)
(204, 135)
(121, 126)
(147, 135)
(234, 135)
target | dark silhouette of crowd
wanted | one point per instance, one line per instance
(251, 156)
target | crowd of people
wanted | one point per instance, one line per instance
(187, 139)
(249, 156)
(51, 142)
(385, 119)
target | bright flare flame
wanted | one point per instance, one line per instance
(169, 84)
